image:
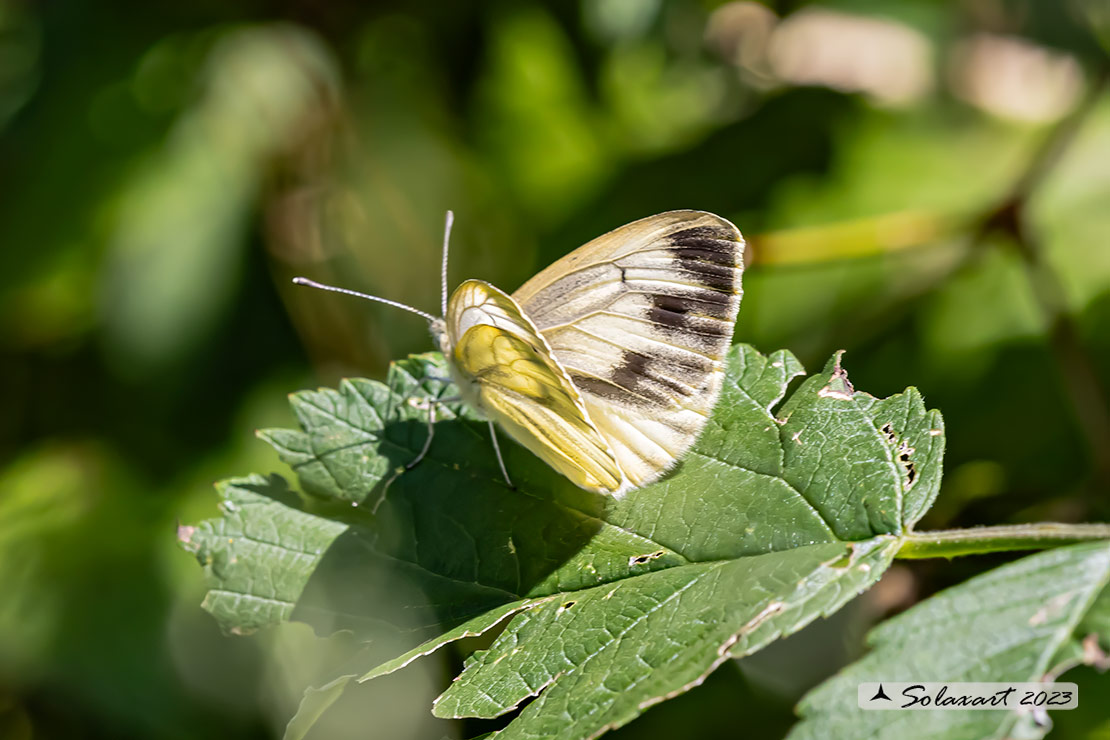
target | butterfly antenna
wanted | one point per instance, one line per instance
(443, 270)
(356, 294)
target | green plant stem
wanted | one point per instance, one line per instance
(948, 543)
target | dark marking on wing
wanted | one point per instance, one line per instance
(708, 275)
(705, 254)
(711, 255)
(697, 232)
(676, 311)
(636, 372)
(681, 359)
(673, 314)
(710, 296)
(629, 373)
(707, 243)
(608, 390)
(691, 332)
(634, 382)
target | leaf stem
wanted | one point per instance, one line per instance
(948, 543)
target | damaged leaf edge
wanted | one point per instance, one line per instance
(483, 624)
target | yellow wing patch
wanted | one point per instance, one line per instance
(505, 368)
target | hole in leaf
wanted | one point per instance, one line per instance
(904, 452)
(641, 559)
(842, 562)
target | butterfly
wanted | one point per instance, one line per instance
(607, 364)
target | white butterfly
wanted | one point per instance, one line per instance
(607, 364)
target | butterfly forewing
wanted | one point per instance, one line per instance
(505, 368)
(641, 319)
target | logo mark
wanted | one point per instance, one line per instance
(880, 694)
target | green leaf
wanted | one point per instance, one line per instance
(827, 468)
(599, 657)
(451, 520)
(775, 518)
(472, 628)
(151, 316)
(1097, 620)
(315, 702)
(1009, 624)
(258, 557)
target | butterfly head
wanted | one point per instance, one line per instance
(438, 328)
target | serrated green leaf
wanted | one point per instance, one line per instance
(452, 516)
(268, 560)
(772, 520)
(476, 627)
(823, 470)
(599, 657)
(258, 557)
(1008, 624)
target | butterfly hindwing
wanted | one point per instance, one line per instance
(505, 368)
(640, 319)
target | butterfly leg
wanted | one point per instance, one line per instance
(439, 378)
(430, 403)
(431, 433)
(500, 460)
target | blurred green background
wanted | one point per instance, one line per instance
(925, 184)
